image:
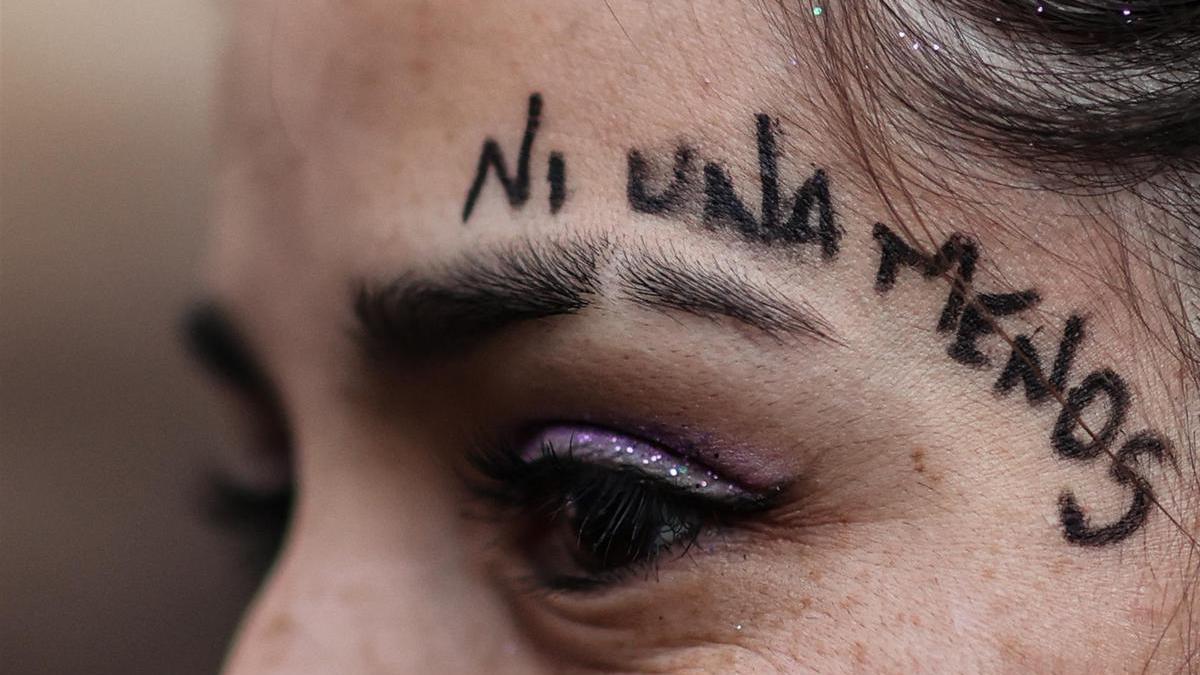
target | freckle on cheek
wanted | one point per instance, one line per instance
(860, 653)
(918, 460)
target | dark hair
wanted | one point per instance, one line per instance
(1088, 92)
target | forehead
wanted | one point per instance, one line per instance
(352, 130)
(354, 133)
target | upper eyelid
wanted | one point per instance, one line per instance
(506, 456)
(621, 450)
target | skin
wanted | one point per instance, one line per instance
(923, 532)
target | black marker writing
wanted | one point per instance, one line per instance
(516, 187)
(1025, 365)
(974, 316)
(670, 199)
(1076, 528)
(721, 201)
(1082, 397)
(556, 175)
(957, 250)
(810, 218)
(979, 319)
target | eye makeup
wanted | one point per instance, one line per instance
(607, 448)
(587, 506)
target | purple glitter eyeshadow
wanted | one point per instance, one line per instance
(609, 448)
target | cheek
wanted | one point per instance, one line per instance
(912, 601)
(892, 597)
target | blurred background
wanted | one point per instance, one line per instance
(108, 563)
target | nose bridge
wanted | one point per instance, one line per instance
(380, 575)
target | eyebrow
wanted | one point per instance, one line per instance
(467, 302)
(663, 278)
(213, 341)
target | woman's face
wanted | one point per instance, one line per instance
(606, 343)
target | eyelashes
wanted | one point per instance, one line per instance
(586, 507)
(257, 516)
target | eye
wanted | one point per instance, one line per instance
(251, 484)
(586, 507)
